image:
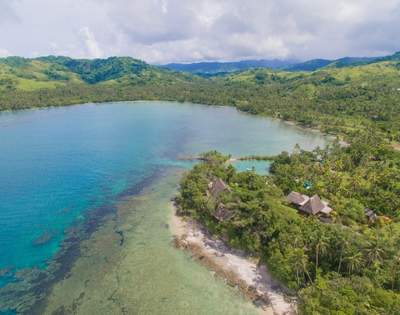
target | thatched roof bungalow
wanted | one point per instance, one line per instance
(216, 187)
(315, 205)
(312, 206)
(297, 199)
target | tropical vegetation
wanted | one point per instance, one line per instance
(347, 266)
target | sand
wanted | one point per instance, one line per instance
(130, 266)
(235, 268)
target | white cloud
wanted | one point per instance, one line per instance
(164, 6)
(4, 53)
(7, 12)
(92, 47)
(175, 30)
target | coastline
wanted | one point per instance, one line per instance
(83, 248)
(292, 123)
(236, 269)
(117, 272)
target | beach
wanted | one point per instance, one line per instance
(130, 266)
(234, 267)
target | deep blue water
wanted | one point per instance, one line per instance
(58, 163)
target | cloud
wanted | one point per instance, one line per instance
(162, 31)
(92, 47)
(7, 12)
(4, 53)
(164, 6)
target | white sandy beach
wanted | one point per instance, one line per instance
(238, 270)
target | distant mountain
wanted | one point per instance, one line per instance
(310, 65)
(394, 57)
(224, 67)
(352, 61)
(315, 64)
(213, 68)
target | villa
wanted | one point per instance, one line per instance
(216, 187)
(309, 205)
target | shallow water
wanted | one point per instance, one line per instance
(260, 167)
(58, 164)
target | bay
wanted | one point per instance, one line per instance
(58, 164)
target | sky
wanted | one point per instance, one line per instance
(162, 31)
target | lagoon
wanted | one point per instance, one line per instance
(108, 170)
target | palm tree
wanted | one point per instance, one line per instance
(353, 261)
(300, 263)
(395, 270)
(375, 250)
(320, 248)
(343, 249)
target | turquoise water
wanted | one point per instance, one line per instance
(58, 163)
(260, 167)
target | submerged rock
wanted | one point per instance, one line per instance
(43, 239)
(5, 271)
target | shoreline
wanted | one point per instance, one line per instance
(236, 269)
(292, 123)
(144, 274)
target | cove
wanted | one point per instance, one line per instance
(121, 161)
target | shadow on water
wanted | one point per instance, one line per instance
(27, 292)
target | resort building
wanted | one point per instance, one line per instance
(370, 214)
(297, 199)
(222, 213)
(216, 187)
(311, 206)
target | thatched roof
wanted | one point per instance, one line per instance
(315, 205)
(222, 213)
(370, 214)
(297, 198)
(216, 187)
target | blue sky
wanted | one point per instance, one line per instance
(160, 31)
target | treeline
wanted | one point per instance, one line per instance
(335, 269)
(365, 174)
(336, 101)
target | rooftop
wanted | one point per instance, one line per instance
(297, 198)
(217, 186)
(313, 205)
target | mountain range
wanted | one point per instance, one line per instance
(215, 67)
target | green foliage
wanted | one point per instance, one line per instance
(336, 269)
(98, 70)
(365, 174)
(348, 296)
